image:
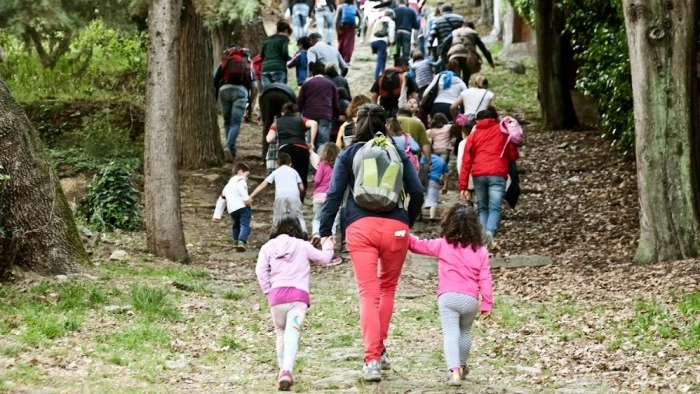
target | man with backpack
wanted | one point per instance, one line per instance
(441, 30)
(383, 34)
(346, 20)
(234, 85)
(465, 40)
(389, 87)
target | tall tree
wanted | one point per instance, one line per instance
(37, 230)
(554, 66)
(662, 40)
(164, 234)
(198, 134)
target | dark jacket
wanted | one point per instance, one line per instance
(275, 53)
(443, 25)
(343, 177)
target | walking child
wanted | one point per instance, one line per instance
(235, 198)
(288, 190)
(322, 182)
(299, 60)
(464, 273)
(436, 177)
(283, 272)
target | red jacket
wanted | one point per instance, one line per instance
(482, 153)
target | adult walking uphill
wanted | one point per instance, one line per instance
(346, 21)
(378, 225)
(487, 157)
(318, 100)
(407, 26)
(441, 30)
(233, 84)
(275, 52)
(465, 40)
(320, 52)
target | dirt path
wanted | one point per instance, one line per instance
(591, 322)
(579, 206)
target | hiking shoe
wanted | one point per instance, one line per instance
(241, 246)
(454, 378)
(228, 155)
(371, 372)
(336, 260)
(284, 381)
(385, 361)
(463, 371)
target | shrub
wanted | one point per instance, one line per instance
(112, 202)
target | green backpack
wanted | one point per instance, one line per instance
(378, 175)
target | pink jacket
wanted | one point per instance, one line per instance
(460, 270)
(284, 262)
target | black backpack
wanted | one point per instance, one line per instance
(389, 84)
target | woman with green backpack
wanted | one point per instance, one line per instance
(379, 176)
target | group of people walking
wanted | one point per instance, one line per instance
(360, 150)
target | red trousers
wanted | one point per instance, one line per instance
(378, 249)
(346, 42)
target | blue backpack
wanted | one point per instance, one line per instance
(349, 17)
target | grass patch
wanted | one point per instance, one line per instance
(232, 295)
(155, 302)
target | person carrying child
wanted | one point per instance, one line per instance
(436, 177)
(322, 182)
(283, 273)
(236, 200)
(288, 190)
(463, 273)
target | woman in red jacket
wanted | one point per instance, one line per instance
(487, 156)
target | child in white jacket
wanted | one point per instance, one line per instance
(235, 198)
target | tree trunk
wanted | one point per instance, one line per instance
(661, 37)
(198, 134)
(247, 34)
(37, 230)
(164, 235)
(554, 63)
(486, 13)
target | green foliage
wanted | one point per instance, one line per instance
(153, 301)
(526, 9)
(222, 11)
(596, 29)
(653, 321)
(112, 201)
(102, 63)
(599, 40)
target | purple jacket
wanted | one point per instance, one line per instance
(318, 99)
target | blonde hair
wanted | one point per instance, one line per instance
(329, 152)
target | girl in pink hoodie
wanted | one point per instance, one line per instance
(463, 274)
(283, 272)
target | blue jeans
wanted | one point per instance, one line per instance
(323, 135)
(489, 198)
(233, 102)
(324, 24)
(269, 77)
(240, 230)
(300, 15)
(379, 48)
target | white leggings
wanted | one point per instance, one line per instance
(457, 313)
(288, 319)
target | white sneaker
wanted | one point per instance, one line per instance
(371, 372)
